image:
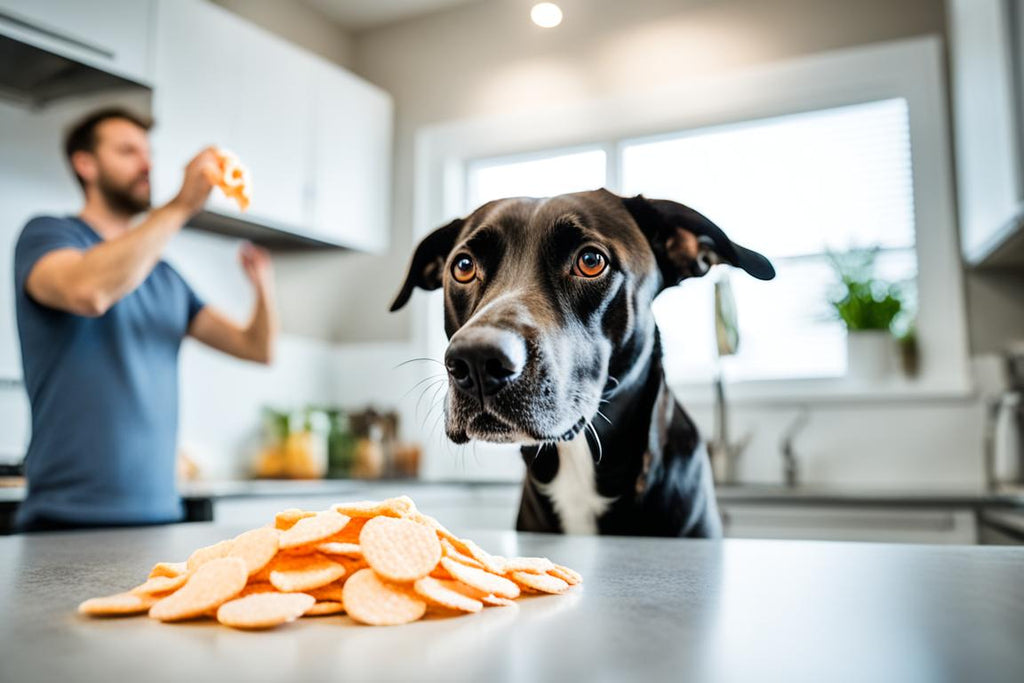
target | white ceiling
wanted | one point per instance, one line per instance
(357, 15)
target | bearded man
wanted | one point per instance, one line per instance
(101, 319)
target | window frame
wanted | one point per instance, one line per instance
(912, 69)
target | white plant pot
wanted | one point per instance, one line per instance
(869, 355)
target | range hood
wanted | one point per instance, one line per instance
(35, 77)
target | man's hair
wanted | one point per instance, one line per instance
(82, 136)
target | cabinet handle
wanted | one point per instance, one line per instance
(50, 33)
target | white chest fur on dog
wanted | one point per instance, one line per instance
(573, 491)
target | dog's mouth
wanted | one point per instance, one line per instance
(571, 433)
(488, 426)
(547, 402)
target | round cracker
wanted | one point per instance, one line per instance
(570, 576)
(492, 563)
(252, 588)
(210, 552)
(476, 594)
(449, 550)
(329, 593)
(370, 600)
(264, 610)
(256, 548)
(119, 605)
(286, 519)
(169, 569)
(350, 534)
(540, 582)
(537, 565)
(211, 585)
(160, 584)
(325, 608)
(335, 548)
(398, 549)
(315, 529)
(443, 594)
(304, 572)
(480, 579)
(440, 572)
(392, 507)
(495, 601)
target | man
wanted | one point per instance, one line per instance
(100, 320)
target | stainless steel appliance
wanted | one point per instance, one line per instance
(1005, 429)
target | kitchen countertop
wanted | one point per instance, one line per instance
(812, 494)
(656, 609)
(746, 493)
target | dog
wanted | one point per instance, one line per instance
(553, 345)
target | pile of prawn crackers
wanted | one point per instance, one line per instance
(382, 563)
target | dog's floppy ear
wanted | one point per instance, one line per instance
(426, 269)
(687, 244)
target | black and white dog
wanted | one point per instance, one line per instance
(553, 345)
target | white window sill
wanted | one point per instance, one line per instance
(823, 391)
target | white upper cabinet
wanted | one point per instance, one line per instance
(352, 161)
(316, 139)
(111, 35)
(194, 102)
(984, 40)
(274, 134)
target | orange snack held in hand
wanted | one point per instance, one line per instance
(233, 179)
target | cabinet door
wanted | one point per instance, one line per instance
(195, 99)
(988, 141)
(352, 161)
(840, 523)
(274, 133)
(112, 35)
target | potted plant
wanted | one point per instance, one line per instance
(868, 307)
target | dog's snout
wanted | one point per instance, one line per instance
(482, 360)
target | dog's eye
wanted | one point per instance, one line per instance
(590, 263)
(464, 269)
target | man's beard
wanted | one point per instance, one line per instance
(120, 197)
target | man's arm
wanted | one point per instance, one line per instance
(89, 282)
(255, 341)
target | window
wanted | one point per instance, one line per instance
(852, 149)
(543, 175)
(790, 187)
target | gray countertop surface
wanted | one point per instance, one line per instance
(649, 609)
(810, 494)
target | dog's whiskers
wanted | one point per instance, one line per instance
(425, 379)
(435, 385)
(597, 437)
(605, 418)
(435, 402)
(414, 360)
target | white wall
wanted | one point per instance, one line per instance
(298, 23)
(894, 445)
(486, 60)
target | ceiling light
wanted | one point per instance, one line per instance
(546, 14)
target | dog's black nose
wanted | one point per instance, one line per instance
(481, 360)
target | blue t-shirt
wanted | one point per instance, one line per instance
(103, 391)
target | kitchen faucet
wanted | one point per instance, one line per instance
(789, 463)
